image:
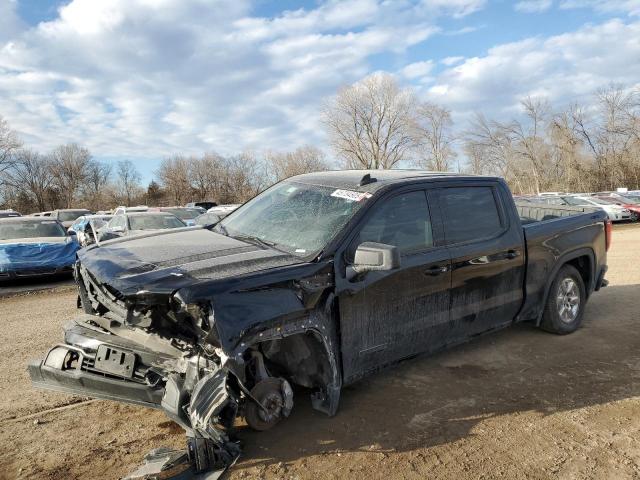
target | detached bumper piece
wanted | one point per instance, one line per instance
(72, 370)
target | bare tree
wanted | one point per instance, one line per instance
(69, 165)
(30, 175)
(369, 122)
(205, 175)
(96, 180)
(128, 181)
(9, 145)
(174, 177)
(304, 159)
(243, 178)
(433, 136)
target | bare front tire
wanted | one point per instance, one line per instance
(566, 301)
(276, 398)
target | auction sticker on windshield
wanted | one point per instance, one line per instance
(351, 195)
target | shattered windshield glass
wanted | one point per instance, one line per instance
(294, 217)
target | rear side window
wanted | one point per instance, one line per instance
(402, 221)
(469, 213)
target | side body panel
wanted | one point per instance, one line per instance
(552, 243)
(386, 316)
(487, 274)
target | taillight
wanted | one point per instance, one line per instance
(607, 234)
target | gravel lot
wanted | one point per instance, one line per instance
(518, 404)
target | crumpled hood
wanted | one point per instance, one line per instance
(172, 259)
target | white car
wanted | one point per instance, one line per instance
(122, 210)
(616, 213)
(223, 210)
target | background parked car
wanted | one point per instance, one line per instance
(630, 204)
(137, 223)
(614, 212)
(120, 210)
(223, 210)
(83, 230)
(32, 246)
(9, 213)
(204, 205)
(68, 216)
(186, 214)
(207, 219)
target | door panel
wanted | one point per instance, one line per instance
(387, 316)
(392, 315)
(487, 259)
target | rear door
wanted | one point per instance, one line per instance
(486, 246)
(389, 315)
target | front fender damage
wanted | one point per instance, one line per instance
(202, 355)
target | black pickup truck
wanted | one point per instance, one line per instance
(316, 282)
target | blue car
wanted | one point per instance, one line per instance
(35, 246)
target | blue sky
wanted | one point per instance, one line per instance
(140, 80)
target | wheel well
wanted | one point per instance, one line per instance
(302, 358)
(583, 265)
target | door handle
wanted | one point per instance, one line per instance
(437, 270)
(511, 254)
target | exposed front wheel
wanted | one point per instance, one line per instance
(276, 401)
(565, 303)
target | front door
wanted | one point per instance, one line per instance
(390, 315)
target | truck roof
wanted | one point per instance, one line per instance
(356, 179)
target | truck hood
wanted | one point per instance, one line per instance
(171, 259)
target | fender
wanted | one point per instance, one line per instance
(321, 322)
(563, 260)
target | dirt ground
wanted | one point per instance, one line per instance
(517, 404)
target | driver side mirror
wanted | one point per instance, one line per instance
(372, 256)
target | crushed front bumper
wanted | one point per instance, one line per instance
(96, 363)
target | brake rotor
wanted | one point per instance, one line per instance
(275, 396)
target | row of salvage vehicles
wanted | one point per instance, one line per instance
(45, 244)
(313, 284)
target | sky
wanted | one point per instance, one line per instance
(144, 79)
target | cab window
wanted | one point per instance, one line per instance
(402, 221)
(469, 213)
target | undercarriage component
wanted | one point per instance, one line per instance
(275, 399)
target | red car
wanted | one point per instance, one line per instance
(632, 205)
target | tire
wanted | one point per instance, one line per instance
(567, 297)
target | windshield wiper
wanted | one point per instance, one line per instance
(254, 239)
(221, 228)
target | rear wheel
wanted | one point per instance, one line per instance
(565, 303)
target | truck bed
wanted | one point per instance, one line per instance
(532, 213)
(549, 231)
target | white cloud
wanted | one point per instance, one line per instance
(563, 68)
(417, 69)
(631, 7)
(533, 6)
(449, 61)
(146, 78)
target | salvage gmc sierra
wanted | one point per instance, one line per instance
(316, 282)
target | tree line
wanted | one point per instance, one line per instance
(69, 177)
(374, 123)
(576, 148)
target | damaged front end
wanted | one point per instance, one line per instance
(157, 350)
